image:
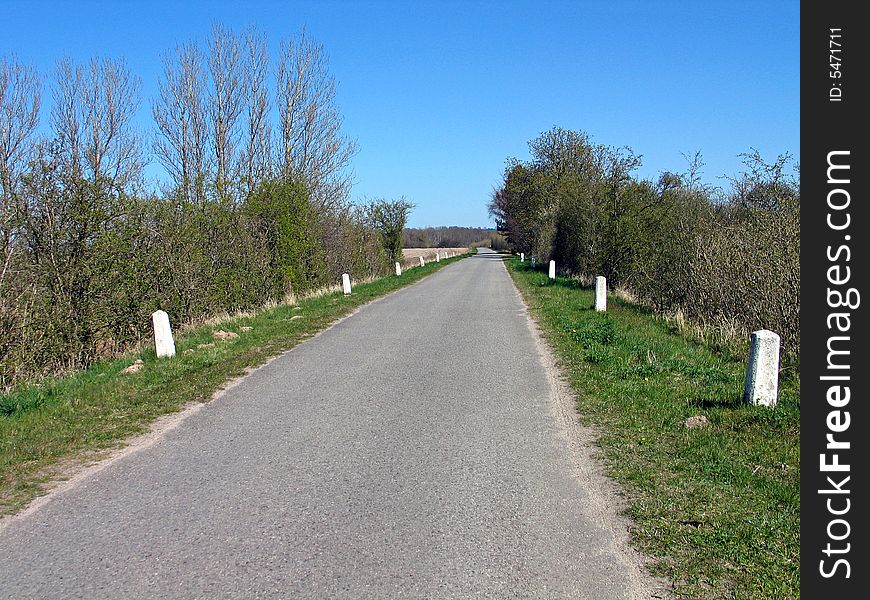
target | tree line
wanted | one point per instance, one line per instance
(452, 237)
(255, 209)
(725, 259)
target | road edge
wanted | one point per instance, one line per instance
(607, 499)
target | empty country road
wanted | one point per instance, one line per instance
(416, 449)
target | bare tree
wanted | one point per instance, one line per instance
(66, 113)
(94, 105)
(179, 112)
(225, 99)
(312, 145)
(19, 115)
(256, 159)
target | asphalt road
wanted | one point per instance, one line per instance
(412, 450)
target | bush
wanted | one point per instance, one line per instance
(88, 278)
(724, 262)
(87, 255)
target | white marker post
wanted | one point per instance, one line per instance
(600, 293)
(552, 269)
(345, 283)
(437, 257)
(163, 342)
(762, 372)
(522, 257)
(398, 269)
(422, 262)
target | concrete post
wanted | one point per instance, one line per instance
(762, 373)
(522, 257)
(398, 269)
(163, 342)
(552, 269)
(422, 262)
(345, 283)
(600, 293)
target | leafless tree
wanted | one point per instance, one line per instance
(66, 112)
(312, 145)
(19, 115)
(179, 112)
(225, 99)
(256, 159)
(93, 107)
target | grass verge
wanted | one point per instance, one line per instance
(716, 506)
(47, 429)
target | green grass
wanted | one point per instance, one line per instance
(47, 428)
(717, 507)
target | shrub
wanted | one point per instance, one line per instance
(724, 262)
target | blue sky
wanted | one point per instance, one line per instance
(439, 94)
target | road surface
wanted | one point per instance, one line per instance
(413, 450)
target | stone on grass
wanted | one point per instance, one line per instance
(225, 335)
(204, 346)
(245, 328)
(137, 366)
(696, 421)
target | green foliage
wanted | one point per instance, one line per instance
(92, 264)
(389, 218)
(728, 263)
(283, 217)
(496, 241)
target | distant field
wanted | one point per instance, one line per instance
(412, 255)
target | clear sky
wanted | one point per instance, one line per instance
(439, 94)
